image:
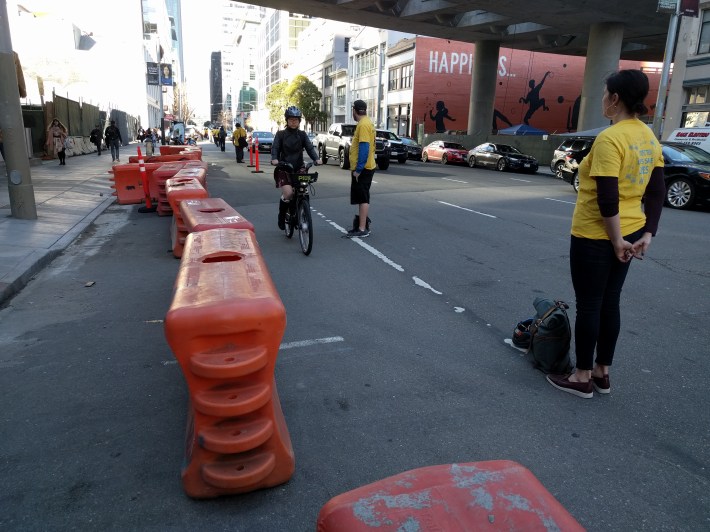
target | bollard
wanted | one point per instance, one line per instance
(251, 155)
(491, 495)
(224, 326)
(146, 187)
(256, 149)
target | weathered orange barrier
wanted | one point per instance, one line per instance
(493, 495)
(157, 185)
(211, 213)
(171, 149)
(128, 183)
(182, 156)
(224, 327)
(178, 189)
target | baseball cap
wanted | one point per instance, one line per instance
(359, 105)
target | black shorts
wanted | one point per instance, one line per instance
(360, 188)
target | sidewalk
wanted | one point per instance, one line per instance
(68, 199)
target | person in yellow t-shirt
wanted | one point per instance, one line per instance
(362, 165)
(239, 139)
(610, 227)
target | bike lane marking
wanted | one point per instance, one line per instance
(315, 341)
(561, 201)
(469, 210)
(454, 180)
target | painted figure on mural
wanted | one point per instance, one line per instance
(438, 118)
(573, 114)
(497, 115)
(533, 98)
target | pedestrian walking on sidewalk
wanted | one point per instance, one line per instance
(222, 138)
(610, 227)
(239, 139)
(96, 138)
(56, 135)
(113, 140)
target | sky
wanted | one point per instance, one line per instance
(201, 35)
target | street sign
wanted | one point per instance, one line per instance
(667, 6)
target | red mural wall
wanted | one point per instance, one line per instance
(542, 90)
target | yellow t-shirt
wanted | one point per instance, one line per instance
(630, 151)
(364, 132)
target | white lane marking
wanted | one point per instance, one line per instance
(458, 310)
(455, 180)
(469, 210)
(307, 343)
(383, 258)
(169, 362)
(419, 282)
(562, 201)
(521, 180)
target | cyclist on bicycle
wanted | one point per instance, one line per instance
(288, 148)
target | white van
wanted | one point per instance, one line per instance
(695, 136)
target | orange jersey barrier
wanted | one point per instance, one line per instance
(494, 495)
(170, 149)
(182, 156)
(224, 327)
(211, 213)
(178, 189)
(128, 183)
(196, 172)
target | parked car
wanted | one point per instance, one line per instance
(578, 147)
(312, 138)
(501, 157)
(336, 144)
(414, 149)
(445, 152)
(687, 175)
(266, 139)
(397, 149)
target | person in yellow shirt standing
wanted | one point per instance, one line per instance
(362, 164)
(610, 227)
(239, 139)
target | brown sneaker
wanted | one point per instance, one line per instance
(601, 384)
(580, 389)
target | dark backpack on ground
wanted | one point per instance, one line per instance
(547, 336)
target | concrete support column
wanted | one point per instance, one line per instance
(19, 180)
(483, 87)
(603, 52)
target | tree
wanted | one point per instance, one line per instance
(304, 94)
(181, 107)
(277, 101)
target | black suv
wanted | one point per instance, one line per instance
(576, 147)
(398, 150)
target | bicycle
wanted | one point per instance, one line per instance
(299, 215)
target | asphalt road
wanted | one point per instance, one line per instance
(393, 359)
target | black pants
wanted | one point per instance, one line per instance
(62, 156)
(240, 153)
(598, 277)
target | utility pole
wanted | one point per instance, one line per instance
(665, 71)
(19, 180)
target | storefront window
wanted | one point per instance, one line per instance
(704, 44)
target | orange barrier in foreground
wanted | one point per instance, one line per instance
(172, 149)
(178, 189)
(211, 213)
(182, 156)
(128, 182)
(224, 326)
(493, 495)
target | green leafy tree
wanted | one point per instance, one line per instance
(304, 94)
(277, 100)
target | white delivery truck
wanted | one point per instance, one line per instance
(695, 136)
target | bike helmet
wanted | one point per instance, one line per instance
(293, 112)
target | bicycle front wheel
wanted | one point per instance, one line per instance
(305, 226)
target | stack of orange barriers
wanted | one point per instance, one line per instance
(225, 326)
(177, 190)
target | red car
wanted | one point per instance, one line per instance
(446, 152)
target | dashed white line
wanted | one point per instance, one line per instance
(469, 210)
(455, 180)
(521, 180)
(562, 201)
(315, 341)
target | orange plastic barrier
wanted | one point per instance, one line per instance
(211, 213)
(157, 183)
(128, 183)
(224, 327)
(195, 172)
(178, 189)
(170, 149)
(494, 495)
(183, 156)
